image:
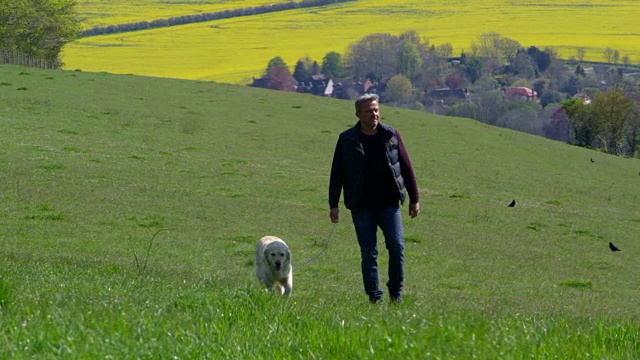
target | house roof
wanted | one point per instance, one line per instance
(520, 91)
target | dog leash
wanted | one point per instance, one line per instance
(324, 246)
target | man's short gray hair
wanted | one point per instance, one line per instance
(365, 98)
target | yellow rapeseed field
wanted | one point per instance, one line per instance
(234, 50)
(110, 12)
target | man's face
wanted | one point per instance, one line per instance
(369, 115)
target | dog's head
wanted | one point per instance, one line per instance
(277, 255)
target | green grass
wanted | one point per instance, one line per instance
(101, 174)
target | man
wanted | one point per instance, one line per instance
(372, 165)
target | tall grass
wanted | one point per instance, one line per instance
(235, 50)
(94, 165)
(73, 310)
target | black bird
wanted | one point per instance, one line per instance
(613, 247)
(591, 159)
(512, 204)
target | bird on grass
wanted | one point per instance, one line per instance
(591, 160)
(512, 203)
(613, 247)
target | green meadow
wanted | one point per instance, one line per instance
(235, 50)
(131, 206)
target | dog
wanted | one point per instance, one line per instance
(273, 265)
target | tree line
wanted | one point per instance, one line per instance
(196, 18)
(408, 71)
(38, 28)
(610, 122)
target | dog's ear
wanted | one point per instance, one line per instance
(288, 255)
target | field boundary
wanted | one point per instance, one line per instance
(211, 16)
(18, 58)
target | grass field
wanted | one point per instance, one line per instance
(94, 165)
(234, 50)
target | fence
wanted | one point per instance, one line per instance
(18, 58)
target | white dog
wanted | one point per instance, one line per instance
(273, 264)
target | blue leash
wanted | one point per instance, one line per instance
(324, 246)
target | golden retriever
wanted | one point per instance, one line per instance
(273, 265)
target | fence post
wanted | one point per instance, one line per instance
(14, 57)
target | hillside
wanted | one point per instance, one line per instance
(131, 206)
(117, 157)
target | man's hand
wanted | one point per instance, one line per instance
(414, 210)
(334, 214)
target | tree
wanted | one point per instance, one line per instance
(613, 112)
(508, 48)
(399, 88)
(608, 55)
(279, 76)
(521, 116)
(472, 67)
(454, 81)
(373, 55)
(580, 52)
(558, 126)
(486, 45)
(540, 87)
(542, 58)
(409, 60)
(607, 122)
(444, 50)
(632, 134)
(464, 109)
(523, 65)
(572, 85)
(550, 97)
(274, 63)
(412, 36)
(38, 28)
(582, 127)
(301, 72)
(315, 68)
(494, 49)
(332, 64)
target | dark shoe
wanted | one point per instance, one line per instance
(375, 300)
(396, 300)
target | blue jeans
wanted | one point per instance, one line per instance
(366, 222)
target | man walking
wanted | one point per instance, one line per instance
(372, 165)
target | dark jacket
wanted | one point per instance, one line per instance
(347, 170)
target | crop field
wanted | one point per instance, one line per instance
(131, 208)
(110, 12)
(234, 50)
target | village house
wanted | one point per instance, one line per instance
(448, 96)
(520, 93)
(320, 85)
